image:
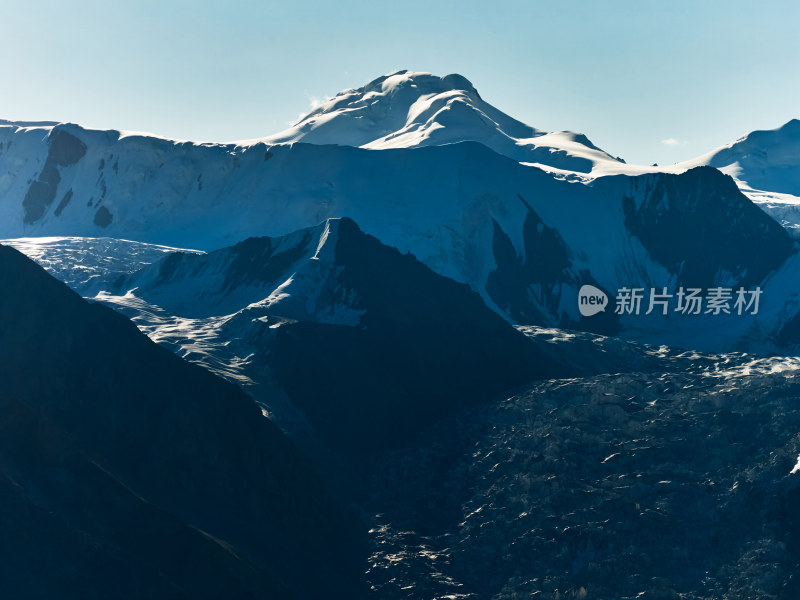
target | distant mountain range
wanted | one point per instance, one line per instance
(405, 399)
(525, 218)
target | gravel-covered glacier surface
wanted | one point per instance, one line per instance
(617, 486)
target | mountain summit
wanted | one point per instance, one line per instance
(763, 160)
(410, 110)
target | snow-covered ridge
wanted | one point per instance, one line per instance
(416, 109)
(294, 276)
(762, 160)
(766, 166)
(83, 263)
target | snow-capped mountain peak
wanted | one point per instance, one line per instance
(409, 110)
(764, 164)
(763, 159)
(392, 103)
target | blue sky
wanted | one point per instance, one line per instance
(630, 75)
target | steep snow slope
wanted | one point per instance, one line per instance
(66, 180)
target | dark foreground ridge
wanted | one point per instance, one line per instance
(126, 472)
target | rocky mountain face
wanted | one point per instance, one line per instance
(369, 344)
(679, 220)
(424, 347)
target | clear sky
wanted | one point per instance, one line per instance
(650, 81)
